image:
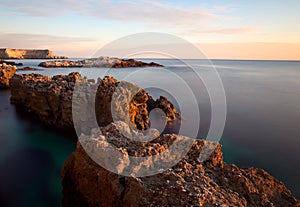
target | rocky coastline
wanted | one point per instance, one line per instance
(102, 62)
(190, 182)
(7, 53)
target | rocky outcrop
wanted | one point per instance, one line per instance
(188, 183)
(27, 69)
(101, 62)
(11, 63)
(51, 99)
(6, 73)
(7, 53)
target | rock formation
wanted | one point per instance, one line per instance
(27, 69)
(51, 99)
(7, 53)
(11, 63)
(6, 73)
(188, 183)
(102, 62)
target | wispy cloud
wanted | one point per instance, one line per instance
(232, 30)
(144, 11)
(26, 40)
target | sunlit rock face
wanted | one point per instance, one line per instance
(52, 100)
(188, 183)
(7, 53)
(117, 137)
(100, 62)
(6, 73)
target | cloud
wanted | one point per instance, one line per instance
(26, 40)
(144, 11)
(232, 30)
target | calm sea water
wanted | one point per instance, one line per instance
(262, 127)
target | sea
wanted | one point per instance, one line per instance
(261, 129)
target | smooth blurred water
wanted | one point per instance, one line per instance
(262, 127)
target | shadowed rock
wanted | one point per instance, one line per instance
(11, 63)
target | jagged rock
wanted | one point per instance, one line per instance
(188, 183)
(51, 99)
(7, 53)
(6, 73)
(102, 62)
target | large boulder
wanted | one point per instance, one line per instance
(188, 183)
(51, 99)
(6, 73)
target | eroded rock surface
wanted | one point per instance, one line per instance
(7, 53)
(51, 99)
(101, 62)
(6, 73)
(188, 183)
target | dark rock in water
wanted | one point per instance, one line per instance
(6, 73)
(28, 69)
(11, 63)
(189, 183)
(7, 53)
(102, 62)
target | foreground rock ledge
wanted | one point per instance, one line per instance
(188, 183)
(101, 62)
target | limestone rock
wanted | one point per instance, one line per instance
(101, 62)
(51, 99)
(6, 73)
(7, 53)
(188, 183)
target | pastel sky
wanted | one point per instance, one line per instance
(225, 29)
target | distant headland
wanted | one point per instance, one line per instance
(8, 53)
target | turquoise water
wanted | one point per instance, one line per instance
(31, 157)
(261, 130)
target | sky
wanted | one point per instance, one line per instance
(224, 29)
